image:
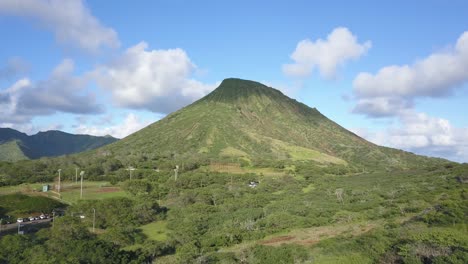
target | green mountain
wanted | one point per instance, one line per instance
(15, 145)
(307, 191)
(246, 121)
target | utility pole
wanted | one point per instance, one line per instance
(59, 170)
(176, 172)
(130, 169)
(81, 192)
(94, 218)
(76, 175)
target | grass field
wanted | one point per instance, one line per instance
(70, 191)
(91, 191)
(156, 230)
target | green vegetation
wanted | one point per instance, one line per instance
(67, 242)
(416, 216)
(156, 230)
(15, 145)
(21, 188)
(324, 195)
(20, 205)
(11, 151)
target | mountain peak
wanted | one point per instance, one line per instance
(232, 89)
(238, 81)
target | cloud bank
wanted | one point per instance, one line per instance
(60, 92)
(423, 134)
(394, 88)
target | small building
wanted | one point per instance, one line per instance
(45, 188)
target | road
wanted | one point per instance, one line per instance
(15, 225)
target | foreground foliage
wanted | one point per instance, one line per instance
(408, 216)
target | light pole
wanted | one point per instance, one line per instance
(59, 170)
(76, 175)
(81, 192)
(94, 218)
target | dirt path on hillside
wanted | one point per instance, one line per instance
(313, 235)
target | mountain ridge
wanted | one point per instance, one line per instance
(15, 145)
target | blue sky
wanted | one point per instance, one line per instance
(394, 72)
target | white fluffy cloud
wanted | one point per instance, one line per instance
(157, 80)
(395, 87)
(60, 92)
(423, 134)
(70, 20)
(131, 124)
(326, 55)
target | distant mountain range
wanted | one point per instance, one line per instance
(15, 145)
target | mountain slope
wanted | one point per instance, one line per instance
(15, 145)
(11, 151)
(246, 120)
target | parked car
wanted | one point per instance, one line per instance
(42, 216)
(32, 218)
(26, 219)
(19, 220)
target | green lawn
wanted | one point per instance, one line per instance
(91, 191)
